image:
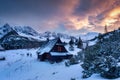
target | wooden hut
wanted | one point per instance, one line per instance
(53, 50)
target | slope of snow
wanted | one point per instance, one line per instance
(65, 40)
(92, 42)
(19, 66)
(75, 51)
(29, 36)
(26, 30)
(89, 36)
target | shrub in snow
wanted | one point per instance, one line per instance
(80, 56)
(88, 69)
(51, 62)
(72, 61)
(112, 73)
(2, 58)
(71, 48)
(72, 79)
(67, 64)
(86, 74)
(54, 73)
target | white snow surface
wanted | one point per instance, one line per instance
(57, 53)
(19, 66)
(29, 36)
(92, 42)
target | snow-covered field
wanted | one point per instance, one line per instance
(19, 66)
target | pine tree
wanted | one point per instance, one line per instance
(106, 29)
(71, 43)
(80, 43)
(76, 41)
(47, 40)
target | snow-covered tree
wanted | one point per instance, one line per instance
(102, 58)
(71, 43)
(80, 43)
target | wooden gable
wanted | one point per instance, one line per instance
(58, 47)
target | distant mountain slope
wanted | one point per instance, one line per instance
(29, 32)
(20, 42)
(89, 36)
(26, 30)
(49, 34)
(11, 39)
(18, 32)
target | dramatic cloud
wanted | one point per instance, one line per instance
(69, 16)
(98, 13)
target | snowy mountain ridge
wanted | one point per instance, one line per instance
(29, 32)
(26, 30)
(89, 36)
(5, 30)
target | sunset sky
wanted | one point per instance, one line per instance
(68, 16)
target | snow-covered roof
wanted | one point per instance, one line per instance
(58, 53)
(47, 47)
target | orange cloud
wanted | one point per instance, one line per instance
(76, 22)
(103, 13)
(112, 18)
(115, 12)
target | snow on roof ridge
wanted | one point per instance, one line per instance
(58, 53)
(47, 47)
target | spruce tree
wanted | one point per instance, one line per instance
(80, 43)
(71, 43)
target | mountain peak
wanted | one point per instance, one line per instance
(6, 25)
(5, 29)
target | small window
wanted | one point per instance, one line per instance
(59, 48)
